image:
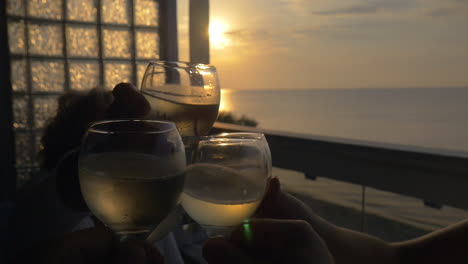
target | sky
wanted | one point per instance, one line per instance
(303, 44)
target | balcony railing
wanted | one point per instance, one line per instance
(437, 179)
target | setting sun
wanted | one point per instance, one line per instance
(218, 37)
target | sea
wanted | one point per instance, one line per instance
(427, 119)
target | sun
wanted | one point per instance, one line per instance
(218, 36)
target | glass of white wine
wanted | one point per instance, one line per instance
(132, 173)
(227, 181)
(187, 94)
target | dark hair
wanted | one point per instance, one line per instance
(76, 110)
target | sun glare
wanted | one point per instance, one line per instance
(224, 105)
(218, 37)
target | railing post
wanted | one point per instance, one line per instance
(363, 209)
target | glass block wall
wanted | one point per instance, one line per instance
(57, 45)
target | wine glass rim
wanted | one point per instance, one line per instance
(217, 139)
(242, 135)
(185, 64)
(92, 128)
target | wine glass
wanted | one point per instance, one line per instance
(226, 182)
(187, 94)
(132, 173)
(260, 137)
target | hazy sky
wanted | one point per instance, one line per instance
(280, 44)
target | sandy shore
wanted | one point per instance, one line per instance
(390, 216)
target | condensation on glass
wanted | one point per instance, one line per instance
(54, 47)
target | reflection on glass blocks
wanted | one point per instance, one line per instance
(18, 75)
(15, 7)
(141, 68)
(147, 44)
(16, 37)
(84, 75)
(20, 112)
(117, 73)
(45, 39)
(115, 11)
(45, 8)
(116, 43)
(81, 10)
(48, 76)
(44, 109)
(23, 149)
(146, 12)
(82, 41)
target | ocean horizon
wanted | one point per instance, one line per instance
(431, 118)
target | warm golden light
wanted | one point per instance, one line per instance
(224, 104)
(218, 37)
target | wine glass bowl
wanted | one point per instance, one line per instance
(226, 182)
(132, 173)
(187, 94)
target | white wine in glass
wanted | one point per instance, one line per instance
(226, 182)
(132, 173)
(187, 94)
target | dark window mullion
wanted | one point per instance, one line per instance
(65, 45)
(100, 42)
(134, 77)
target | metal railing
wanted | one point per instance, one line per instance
(440, 179)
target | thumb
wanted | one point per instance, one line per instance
(274, 234)
(269, 201)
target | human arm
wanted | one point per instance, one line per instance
(446, 245)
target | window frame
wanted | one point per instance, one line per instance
(168, 50)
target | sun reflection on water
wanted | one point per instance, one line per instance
(225, 104)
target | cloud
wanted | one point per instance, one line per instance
(368, 7)
(449, 8)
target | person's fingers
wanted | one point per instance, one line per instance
(128, 102)
(218, 250)
(270, 199)
(282, 241)
(274, 234)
